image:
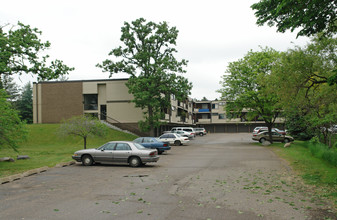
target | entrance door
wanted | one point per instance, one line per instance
(103, 112)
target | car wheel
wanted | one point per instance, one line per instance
(135, 162)
(201, 134)
(160, 152)
(177, 143)
(286, 140)
(262, 140)
(87, 160)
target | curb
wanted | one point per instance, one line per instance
(33, 172)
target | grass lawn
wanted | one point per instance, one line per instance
(46, 148)
(314, 171)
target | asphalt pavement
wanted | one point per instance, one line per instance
(217, 176)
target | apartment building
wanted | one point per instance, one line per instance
(212, 116)
(109, 100)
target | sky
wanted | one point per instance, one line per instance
(211, 34)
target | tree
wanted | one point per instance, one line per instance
(245, 87)
(148, 57)
(25, 104)
(300, 79)
(12, 130)
(12, 89)
(20, 49)
(83, 126)
(311, 16)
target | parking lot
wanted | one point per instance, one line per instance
(217, 176)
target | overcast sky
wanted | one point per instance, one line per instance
(211, 33)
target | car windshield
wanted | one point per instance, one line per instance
(140, 147)
(178, 135)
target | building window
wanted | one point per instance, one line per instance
(221, 116)
(215, 106)
(90, 102)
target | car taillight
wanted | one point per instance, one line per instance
(154, 153)
(186, 139)
(165, 145)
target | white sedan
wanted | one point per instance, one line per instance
(173, 138)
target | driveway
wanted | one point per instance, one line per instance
(218, 176)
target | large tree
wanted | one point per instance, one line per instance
(299, 78)
(148, 57)
(245, 87)
(308, 16)
(20, 53)
(12, 130)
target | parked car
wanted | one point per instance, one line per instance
(257, 130)
(182, 133)
(153, 143)
(173, 138)
(280, 131)
(190, 130)
(200, 131)
(264, 136)
(117, 152)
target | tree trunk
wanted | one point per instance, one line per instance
(85, 142)
(150, 112)
(270, 126)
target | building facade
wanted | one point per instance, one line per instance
(109, 100)
(212, 116)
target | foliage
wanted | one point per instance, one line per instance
(25, 104)
(45, 147)
(297, 125)
(314, 17)
(310, 16)
(245, 87)
(12, 89)
(12, 130)
(83, 126)
(148, 57)
(299, 79)
(20, 49)
(323, 152)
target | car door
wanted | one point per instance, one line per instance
(149, 143)
(121, 153)
(171, 138)
(277, 136)
(105, 153)
(165, 138)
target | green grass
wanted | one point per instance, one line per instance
(314, 171)
(46, 148)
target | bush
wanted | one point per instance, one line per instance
(323, 152)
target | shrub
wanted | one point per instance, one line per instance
(323, 152)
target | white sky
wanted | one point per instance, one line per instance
(211, 33)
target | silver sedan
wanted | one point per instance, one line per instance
(117, 152)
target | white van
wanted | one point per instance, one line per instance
(189, 130)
